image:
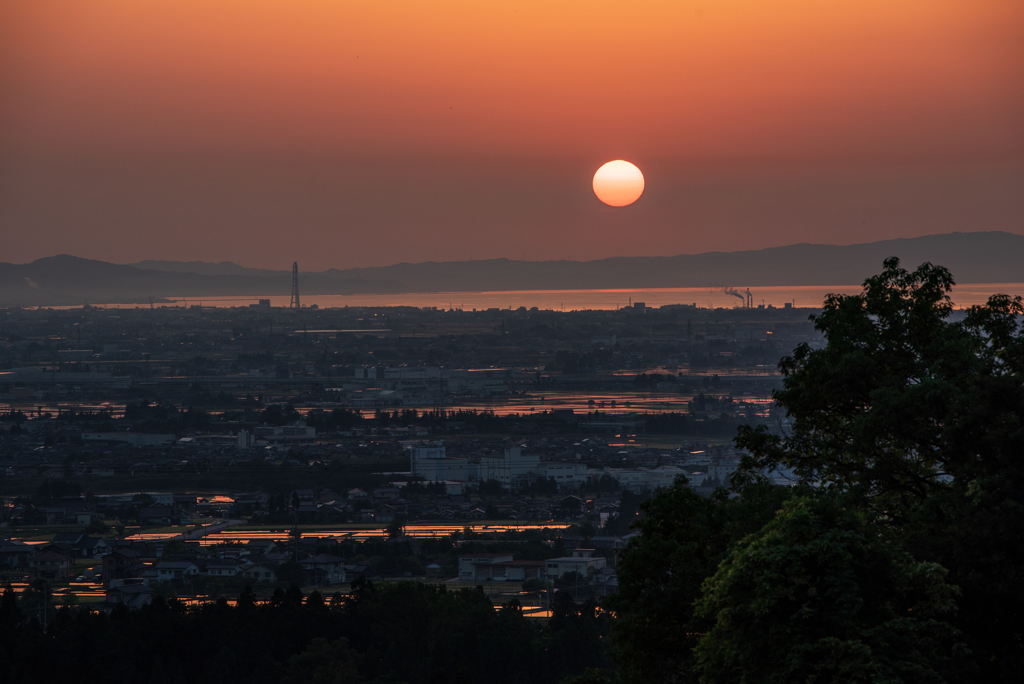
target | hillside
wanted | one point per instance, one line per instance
(984, 257)
(990, 257)
(67, 280)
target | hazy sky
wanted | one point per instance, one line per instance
(341, 133)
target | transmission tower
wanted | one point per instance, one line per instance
(295, 286)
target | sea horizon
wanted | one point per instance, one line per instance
(800, 296)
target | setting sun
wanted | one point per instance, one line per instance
(618, 183)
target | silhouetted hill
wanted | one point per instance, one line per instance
(67, 280)
(990, 257)
(204, 268)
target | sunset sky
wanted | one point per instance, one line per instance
(341, 133)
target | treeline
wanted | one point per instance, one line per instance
(405, 632)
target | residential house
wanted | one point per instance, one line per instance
(175, 571)
(385, 513)
(307, 510)
(324, 569)
(54, 514)
(93, 547)
(86, 517)
(303, 496)
(468, 564)
(581, 561)
(328, 495)
(50, 565)
(15, 554)
(570, 506)
(358, 495)
(132, 595)
(354, 571)
(68, 541)
(227, 567)
(604, 581)
(155, 515)
(122, 564)
(386, 493)
(260, 546)
(260, 572)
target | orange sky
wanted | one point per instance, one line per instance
(359, 133)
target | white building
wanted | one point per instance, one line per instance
(566, 473)
(430, 463)
(642, 478)
(467, 564)
(245, 439)
(298, 433)
(168, 571)
(366, 372)
(581, 561)
(512, 468)
(479, 381)
(412, 373)
(133, 438)
(509, 467)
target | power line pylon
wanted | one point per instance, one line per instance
(295, 286)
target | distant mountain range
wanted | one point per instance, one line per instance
(67, 281)
(983, 257)
(991, 257)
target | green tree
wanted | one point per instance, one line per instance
(901, 398)
(291, 572)
(396, 528)
(174, 546)
(96, 526)
(683, 538)
(533, 584)
(142, 499)
(592, 675)
(817, 595)
(918, 414)
(35, 600)
(247, 599)
(10, 614)
(324, 662)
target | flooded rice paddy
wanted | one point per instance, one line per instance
(279, 534)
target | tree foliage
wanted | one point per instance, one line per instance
(401, 632)
(901, 399)
(918, 415)
(906, 432)
(816, 595)
(683, 539)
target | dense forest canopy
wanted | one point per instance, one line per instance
(389, 632)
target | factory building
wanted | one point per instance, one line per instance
(431, 463)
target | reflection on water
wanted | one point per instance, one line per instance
(353, 533)
(616, 402)
(30, 406)
(92, 591)
(611, 402)
(575, 300)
